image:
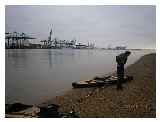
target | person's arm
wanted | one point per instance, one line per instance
(117, 59)
(125, 60)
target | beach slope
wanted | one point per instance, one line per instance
(137, 99)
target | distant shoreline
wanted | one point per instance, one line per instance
(80, 49)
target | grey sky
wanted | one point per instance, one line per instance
(133, 26)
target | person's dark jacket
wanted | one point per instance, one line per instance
(121, 59)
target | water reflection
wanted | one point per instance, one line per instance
(18, 59)
(50, 58)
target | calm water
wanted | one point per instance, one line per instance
(36, 75)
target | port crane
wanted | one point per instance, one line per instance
(48, 43)
(16, 40)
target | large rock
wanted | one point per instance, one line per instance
(15, 107)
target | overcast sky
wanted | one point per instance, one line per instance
(132, 26)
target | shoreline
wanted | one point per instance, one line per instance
(138, 98)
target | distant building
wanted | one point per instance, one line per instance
(17, 40)
(81, 46)
(91, 46)
(120, 47)
(35, 46)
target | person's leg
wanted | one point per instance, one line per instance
(119, 84)
(120, 75)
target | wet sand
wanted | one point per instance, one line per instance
(137, 99)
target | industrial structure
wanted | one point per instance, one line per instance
(58, 44)
(17, 40)
(55, 43)
(117, 48)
